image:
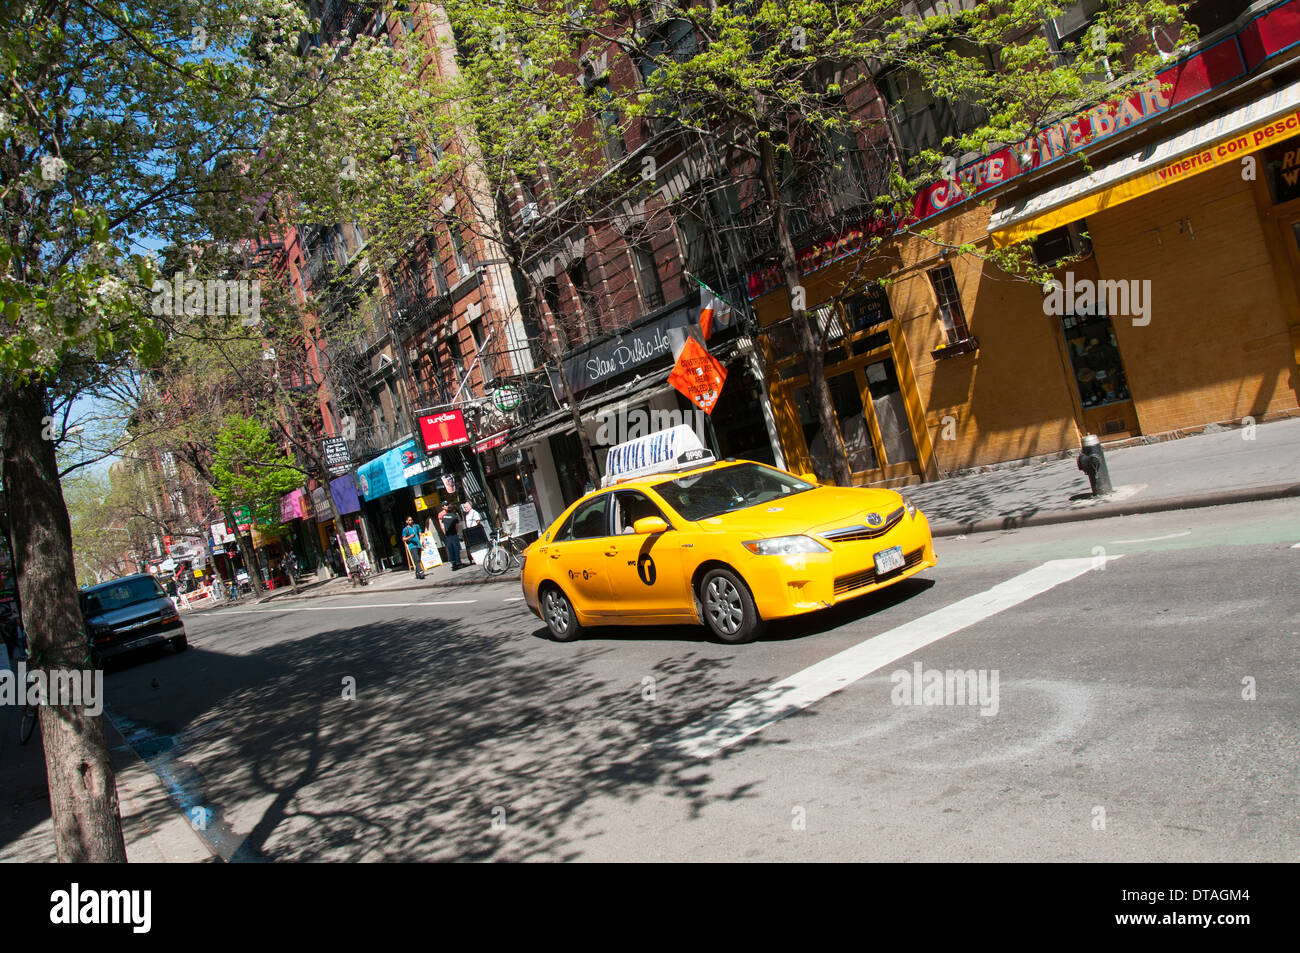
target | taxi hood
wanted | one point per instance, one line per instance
(821, 509)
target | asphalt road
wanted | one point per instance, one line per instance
(1145, 707)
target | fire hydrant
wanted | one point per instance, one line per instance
(1093, 462)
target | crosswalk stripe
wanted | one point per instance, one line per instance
(712, 734)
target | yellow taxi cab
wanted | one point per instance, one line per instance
(675, 536)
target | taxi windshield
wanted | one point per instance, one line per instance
(725, 489)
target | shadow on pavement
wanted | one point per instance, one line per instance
(468, 744)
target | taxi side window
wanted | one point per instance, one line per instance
(630, 506)
(587, 521)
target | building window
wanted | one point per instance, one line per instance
(610, 120)
(647, 277)
(1068, 241)
(458, 250)
(949, 299)
(457, 362)
(1094, 358)
(921, 119)
(435, 265)
(484, 359)
(672, 39)
(583, 292)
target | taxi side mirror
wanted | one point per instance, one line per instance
(649, 525)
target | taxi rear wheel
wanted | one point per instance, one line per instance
(558, 612)
(727, 608)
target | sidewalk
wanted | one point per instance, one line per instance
(152, 826)
(1209, 469)
(401, 580)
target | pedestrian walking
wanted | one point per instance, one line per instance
(449, 519)
(411, 536)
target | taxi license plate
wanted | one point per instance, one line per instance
(889, 560)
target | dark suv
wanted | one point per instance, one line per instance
(128, 614)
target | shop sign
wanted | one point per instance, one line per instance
(523, 519)
(320, 505)
(1215, 153)
(338, 459)
(506, 398)
(632, 349)
(443, 430)
(291, 506)
(344, 492)
(492, 442)
(418, 469)
(1176, 84)
(386, 473)
(1283, 164)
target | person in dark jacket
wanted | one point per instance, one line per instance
(449, 520)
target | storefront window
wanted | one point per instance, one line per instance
(891, 411)
(1094, 357)
(737, 421)
(854, 430)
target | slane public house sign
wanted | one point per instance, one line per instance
(642, 346)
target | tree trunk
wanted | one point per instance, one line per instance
(808, 338)
(83, 793)
(246, 550)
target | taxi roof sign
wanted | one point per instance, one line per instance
(677, 448)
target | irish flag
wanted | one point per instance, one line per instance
(714, 312)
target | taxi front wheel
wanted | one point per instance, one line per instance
(727, 608)
(560, 618)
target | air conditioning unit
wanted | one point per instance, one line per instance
(529, 213)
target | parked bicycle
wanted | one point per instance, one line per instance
(28, 714)
(507, 553)
(359, 570)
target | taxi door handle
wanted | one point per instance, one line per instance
(611, 552)
(555, 555)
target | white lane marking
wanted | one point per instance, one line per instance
(1296, 546)
(1151, 539)
(368, 605)
(710, 735)
(514, 599)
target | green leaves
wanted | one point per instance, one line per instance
(251, 470)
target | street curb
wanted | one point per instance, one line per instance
(154, 828)
(1194, 501)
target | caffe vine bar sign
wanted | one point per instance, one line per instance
(1270, 33)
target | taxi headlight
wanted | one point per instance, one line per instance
(784, 546)
(909, 505)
